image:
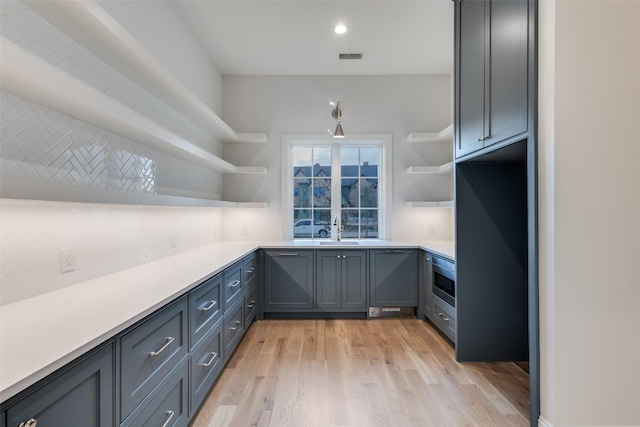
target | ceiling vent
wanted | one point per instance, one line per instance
(350, 56)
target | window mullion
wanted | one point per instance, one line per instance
(336, 194)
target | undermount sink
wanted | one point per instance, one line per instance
(340, 243)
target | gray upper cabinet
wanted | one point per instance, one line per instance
(393, 275)
(288, 280)
(82, 396)
(341, 280)
(492, 39)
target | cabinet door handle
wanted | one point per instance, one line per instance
(251, 304)
(209, 306)
(236, 326)
(169, 341)
(288, 254)
(234, 283)
(251, 270)
(31, 423)
(167, 420)
(443, 317)
(213, 357)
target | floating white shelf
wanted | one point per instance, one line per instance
(36, 80)
(12, 188)
(443, 169)
(445, 135)
(434, 204)
(90, 25)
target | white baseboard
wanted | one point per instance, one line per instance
(543, 423)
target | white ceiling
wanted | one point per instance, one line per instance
(296, 37)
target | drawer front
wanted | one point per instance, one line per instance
(233, 328)
(444, 317)
(250, 266)
(169, 407)
(205, 308)
(207, 362)
(232, 289)
(250, 306)
(149, 352)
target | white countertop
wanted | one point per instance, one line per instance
(41, 334)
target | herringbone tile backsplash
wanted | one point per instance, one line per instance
(104, 239)
(42, 145)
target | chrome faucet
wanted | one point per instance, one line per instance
(336, 223)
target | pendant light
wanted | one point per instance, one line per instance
(337, 114)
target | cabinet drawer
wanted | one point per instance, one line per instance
(232, 289)
(206, 364)
(205, 308)
(81, 397)
(233, 328)
(169, 407)
(444, 317)
(250, 267)
(250, 306)
(149, 352)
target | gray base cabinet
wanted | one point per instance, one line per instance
(341, 280)
(288, 280)
(393, 278)
(82, 396)
(149, 352)
(155, 373)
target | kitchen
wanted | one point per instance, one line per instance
(246, 104)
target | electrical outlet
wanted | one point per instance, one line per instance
(432, 229)
(243, 230)
(173, 240)
(67, 260)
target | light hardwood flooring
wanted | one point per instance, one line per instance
(380, 372)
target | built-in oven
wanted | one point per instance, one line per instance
(443, 279)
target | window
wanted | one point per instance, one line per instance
(326, 180)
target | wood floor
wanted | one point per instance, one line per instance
(381, 372)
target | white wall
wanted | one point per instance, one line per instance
(396, 105)
(39, 144)
(589, 212)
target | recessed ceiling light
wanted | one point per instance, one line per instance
(340, 29)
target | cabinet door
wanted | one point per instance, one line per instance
(288, 281)
(80, 397)
(393, 278)
(470, 65)
(329, 279)
(207, 361)
(354, 279)
(507, 106)
(425, 288)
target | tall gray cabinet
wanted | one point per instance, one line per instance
(495, 184)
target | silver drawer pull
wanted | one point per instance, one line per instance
(234, 283)
(237, 325)
(209, 306)
(289, 254)
(213, 357)
(443, 317)
(31, 423)
(394, 251)
(251, 270)
(170, 415)
(251, 304)
(169, 341)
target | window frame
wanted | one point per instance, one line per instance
(383, 141)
